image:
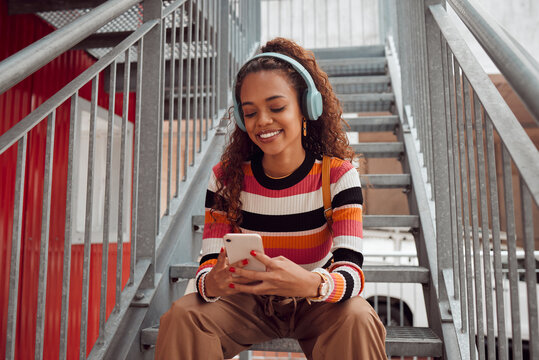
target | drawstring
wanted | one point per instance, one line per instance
(269, 310)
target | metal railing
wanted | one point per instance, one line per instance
(187, 51)
(470, 141)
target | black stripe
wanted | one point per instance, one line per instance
(351, 195)
(289, 181)
(348, 255)
(349, 284)
(208, 257)
(283, 223)
(210, 199)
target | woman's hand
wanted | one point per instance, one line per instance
(283, 277)
(218, 280)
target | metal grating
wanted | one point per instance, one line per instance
(128, 21)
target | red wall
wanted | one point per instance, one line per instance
(18, 31)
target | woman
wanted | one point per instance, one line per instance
(269, 182)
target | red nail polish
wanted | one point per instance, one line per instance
(232, 286)
(253, 253)
(232, 269)
(222, 249)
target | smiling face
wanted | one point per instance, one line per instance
(272, 114)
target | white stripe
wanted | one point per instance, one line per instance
(294, 204)
(287, 233)
(354, 243)
(211, 245)
(347, 180)
(355, 276)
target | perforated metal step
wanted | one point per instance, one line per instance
(354, 66)
(379, 149)
(373, 273)
(400, 341)
(372, 123)
(360, 84)
(389, 181)
(378, 102)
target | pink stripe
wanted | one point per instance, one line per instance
(309, 184)
(302, 256)
(348, 228)
(216, 230)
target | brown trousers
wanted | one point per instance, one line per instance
(193, 329)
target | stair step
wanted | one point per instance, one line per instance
(389, 181)
(360, 84)
(400, 341)
(377, 102)
(373, 273)
(354, 66)
(347, 52)
(372, 123)
(379, 149)
(382, 221)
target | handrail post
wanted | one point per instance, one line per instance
(224, 57)
(147, 192)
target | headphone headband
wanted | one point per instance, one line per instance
(312, 99)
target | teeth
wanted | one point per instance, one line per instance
(268, 135)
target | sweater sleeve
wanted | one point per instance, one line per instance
(215, 227)
(347, 203)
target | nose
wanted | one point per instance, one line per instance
(264, 119)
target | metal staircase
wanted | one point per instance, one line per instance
(361, 80)
(422, 85)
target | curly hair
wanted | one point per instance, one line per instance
(325, 136)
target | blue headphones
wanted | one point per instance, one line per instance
(312, 99)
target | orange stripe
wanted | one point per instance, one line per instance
(338, 291)
(296, 242)
(216, 217)
(352, 213)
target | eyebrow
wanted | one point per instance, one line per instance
(267, 99)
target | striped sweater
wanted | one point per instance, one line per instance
(289, 215)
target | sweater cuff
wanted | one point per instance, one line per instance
(201, 288)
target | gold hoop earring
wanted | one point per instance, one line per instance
(304, 127)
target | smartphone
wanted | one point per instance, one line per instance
(239, 247)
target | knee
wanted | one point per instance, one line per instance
(362, 315)
(181, 312)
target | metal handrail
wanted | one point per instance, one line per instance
(509, 58)
(30, 59)
(21, 128)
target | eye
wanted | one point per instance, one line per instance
(249, 115)
(278, 109)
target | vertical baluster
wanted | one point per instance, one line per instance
(496, 244)
(466, 217)
(529, 261)
(196, 90)
(161, 120)
(202, 75)
(188, 90)
(11, 329)
(491, 346)
(44, 243)
(458, 182)
(512, 256)
(88, 221)
(73, 130)
(478, 284)
(171, 110)
(134, 203)
(214, 47)
(121, 192)
(180, 103)
(449, 93)
(106, 212)
(209, 60)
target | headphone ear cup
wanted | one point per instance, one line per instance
(312, 102)
(238, 117)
